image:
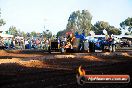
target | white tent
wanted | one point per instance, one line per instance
(6, 35)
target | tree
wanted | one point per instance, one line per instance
(33, 33)
(99, 26)
(79, 21)
(2, 22)
(13, 31)
(127, 25)
(47, 34)
(61, 33)
(113, 30)
(23, 34)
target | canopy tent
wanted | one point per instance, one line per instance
(6, 35)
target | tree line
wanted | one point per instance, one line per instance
(14, 31)
(79, 21)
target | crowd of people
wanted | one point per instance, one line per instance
(70, 41)
(21, 43)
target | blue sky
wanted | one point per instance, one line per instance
(33, 15)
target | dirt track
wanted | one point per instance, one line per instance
(33, 69)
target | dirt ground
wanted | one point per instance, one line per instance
(38, 69)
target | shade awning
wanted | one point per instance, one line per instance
(6, 35)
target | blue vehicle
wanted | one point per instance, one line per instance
(100, 43)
